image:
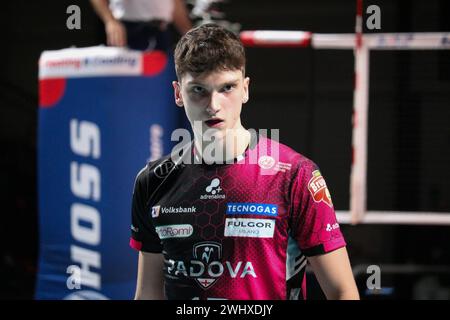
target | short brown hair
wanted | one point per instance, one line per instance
(208, 48)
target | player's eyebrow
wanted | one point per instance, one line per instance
(226, 83)
(231, 82)
(194, 83)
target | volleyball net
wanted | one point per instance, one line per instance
(366, 47)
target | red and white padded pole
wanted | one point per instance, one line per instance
(358, 177)
(271, 38)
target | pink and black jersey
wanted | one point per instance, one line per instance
(240, 230)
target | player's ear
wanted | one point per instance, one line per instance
(245, 96)
(177, 93)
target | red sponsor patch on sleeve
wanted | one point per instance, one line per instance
(318, 189)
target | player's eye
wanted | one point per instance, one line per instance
(198, 90)
(228, 88)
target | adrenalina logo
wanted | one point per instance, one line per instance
(262, 209)
(213, 191)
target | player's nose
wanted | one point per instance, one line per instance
(214, 104)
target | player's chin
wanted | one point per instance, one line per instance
(215, 134)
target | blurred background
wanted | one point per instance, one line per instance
(306, 93)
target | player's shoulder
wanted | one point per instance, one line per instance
(286, 155)
(154, 171)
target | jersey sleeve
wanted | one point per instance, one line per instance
(313, 222)
(143, 233)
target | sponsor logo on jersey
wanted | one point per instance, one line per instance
(213, 191)
(155, 211)
(174, 231)
(249, 228)
(282, 166)
(207, 267)
(266, 162)
(164, 168)
(269, 163)
(166, 210)
(262, 209)
(331, 227)
(318, 189)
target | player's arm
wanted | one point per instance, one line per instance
(150, 273)
(334, 273)
(150, 277)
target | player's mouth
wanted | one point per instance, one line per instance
(214, 123)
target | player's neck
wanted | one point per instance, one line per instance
(225, 150)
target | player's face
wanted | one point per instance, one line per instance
(213, 101)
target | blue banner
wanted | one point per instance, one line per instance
(104, 112)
